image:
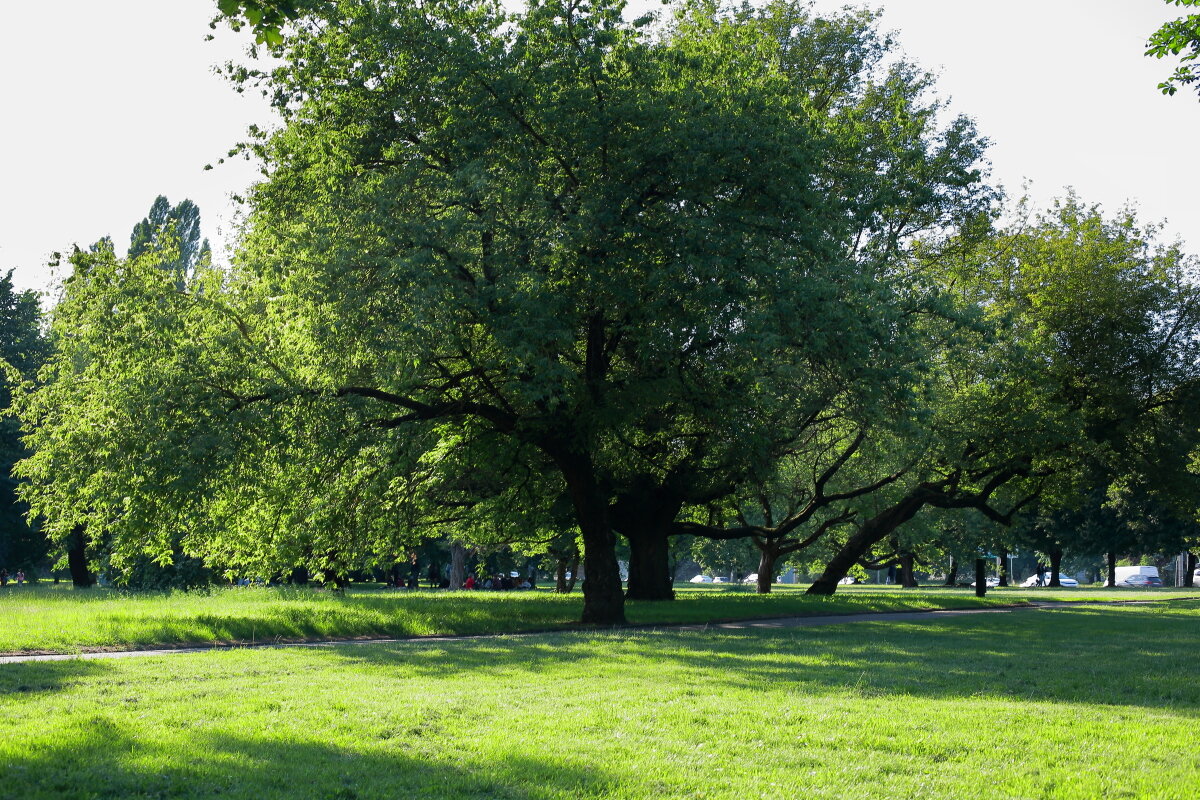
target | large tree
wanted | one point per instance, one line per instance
(557, 228)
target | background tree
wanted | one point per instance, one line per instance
(23, 350)
(1179, 37)
(174, 233)
(1089, 374)
(555, 226)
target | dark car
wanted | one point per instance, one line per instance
(1142, 581)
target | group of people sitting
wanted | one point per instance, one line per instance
(498, 583)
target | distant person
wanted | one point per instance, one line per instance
(3, 577)
(20, 577)
(470, 584)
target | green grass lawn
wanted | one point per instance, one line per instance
(1080, 703)
(48, 618)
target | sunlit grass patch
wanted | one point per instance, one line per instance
(1088, 702)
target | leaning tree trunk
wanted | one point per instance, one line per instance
(1112, 570)
(952, 572)
(869, 534)
(77, 562)
(1056, 556)
(766, 567)
(458, 565)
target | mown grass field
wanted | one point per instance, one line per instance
(47, 618)
(1082, 703)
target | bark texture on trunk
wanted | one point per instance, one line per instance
(458, 565)
(766, 569)
(907, 579)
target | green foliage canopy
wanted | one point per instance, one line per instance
(1179, 37)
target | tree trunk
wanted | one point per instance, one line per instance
(573, 571)
(952, 572)
(1112, 570)
(980, 577)
(766, 567)
(1189, 571)
(603, 600)
(1003, 570)
(649, 563)
(1056, 556)
(458, 565)
(81, 576)
(644, 516)
(906, 571)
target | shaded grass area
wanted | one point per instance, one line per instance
(1086, 702)
(59, 619)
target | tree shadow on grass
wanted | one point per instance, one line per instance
(98, 757)
(33, 677)
(1083, 655)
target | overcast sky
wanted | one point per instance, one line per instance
(107, 104)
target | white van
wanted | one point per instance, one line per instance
(1137, 576)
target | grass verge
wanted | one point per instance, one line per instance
(1086, 702)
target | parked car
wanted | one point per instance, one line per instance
(751, 578)
(1140, 581)
(849, 580)
(702, 579)
(1063, 580)
(720, 579)
(990, 583)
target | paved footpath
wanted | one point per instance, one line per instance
(750, 624)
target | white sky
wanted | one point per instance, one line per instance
(104, 105)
